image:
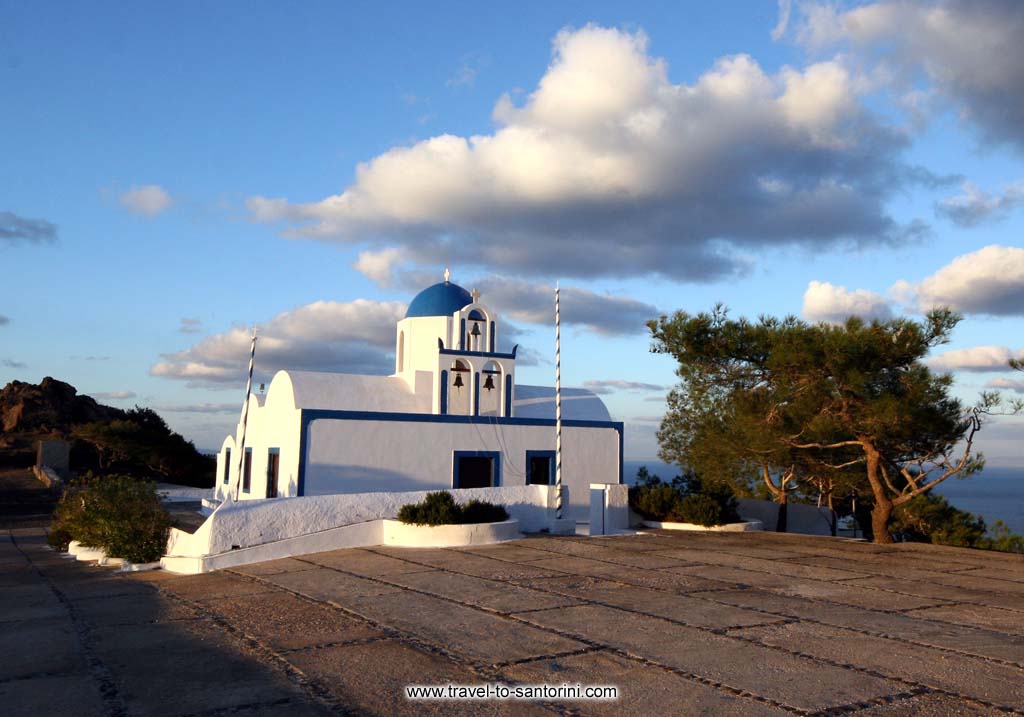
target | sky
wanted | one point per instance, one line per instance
(173, 174)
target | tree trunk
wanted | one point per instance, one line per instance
(882, 511)
(880, 515)
(781, 524)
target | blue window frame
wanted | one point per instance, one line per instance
(476, 469)
(247, 471)
(540, 467)
(227, 466)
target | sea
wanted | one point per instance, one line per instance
(994, 493)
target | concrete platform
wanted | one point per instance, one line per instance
(682, 623)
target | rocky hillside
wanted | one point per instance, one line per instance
(104, 438)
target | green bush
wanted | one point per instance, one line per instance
(480, 511)
(700, 509)
(440, 508)
(116, 513)
(655, 502)
(688, 499)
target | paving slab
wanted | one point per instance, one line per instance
(1010, 621)
(931, 633)
(43, 646)
(490, 594)
(740, 667)
(931, 706)
(643, 690)
(212, 665)
(675, 606)
(284, 621)
(272, 567)
(74, 694)
(365, 562)
(1002, 685)
(665, 579)
(371, 679)
(213, 586)
(942, 592)
(460, 562)
(774, 567)
(472, 634)
(327, 584)
(134, 609)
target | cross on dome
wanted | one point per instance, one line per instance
(447, 275)
(476, 295)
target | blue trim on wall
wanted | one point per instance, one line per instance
(308, 415)
(492, 338)
(462, 334)
(508, 395)
(476, 393)
(488, 354)
(495, 466)
(247, 471)
(444, 391)
(551, 465)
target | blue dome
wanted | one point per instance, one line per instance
(442, 299)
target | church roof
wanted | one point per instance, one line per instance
(442, 299)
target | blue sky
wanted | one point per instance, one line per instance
(173, 173)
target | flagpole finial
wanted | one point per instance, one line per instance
(447, 275)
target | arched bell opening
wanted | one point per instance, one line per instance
(459, 379)
(492, 387)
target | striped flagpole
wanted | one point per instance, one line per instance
(558, 405)
(245, 412)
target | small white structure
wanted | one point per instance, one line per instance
(450, 417)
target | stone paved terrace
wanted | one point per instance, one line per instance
(682, 623)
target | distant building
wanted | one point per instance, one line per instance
(451, 416)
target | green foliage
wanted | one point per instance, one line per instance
(117, 513)
(700, 509)
(688, 499)
(931, 519)
(142, 444)
(837, 409)
(440, 508)
(480, 511)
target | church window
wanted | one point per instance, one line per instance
(247, 471)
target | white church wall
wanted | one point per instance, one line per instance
(240, 526)
(348, 456)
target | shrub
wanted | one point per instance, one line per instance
(654, 502)
(688, 499)
(480, 511)
(117, 513)
(440, 508)
(700, 509)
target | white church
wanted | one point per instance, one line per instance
(451, 416)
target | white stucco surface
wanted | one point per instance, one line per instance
(395, 532)
(726, 528)
(367, 455)
(253, 523)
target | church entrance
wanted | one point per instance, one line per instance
(475, 470)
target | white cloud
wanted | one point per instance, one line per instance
(974, 206)
(785, 10)
(1006, 383)
(616, 384)
(835, 304)
(148, 200)
(968, 50)
(988, 281)
(974, 359)
(610, 169)
(113, 395)
(534, 303)
(353, 337)
(380, 266)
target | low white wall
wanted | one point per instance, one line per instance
(246, 524)
(800, 517)
(395, 532)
